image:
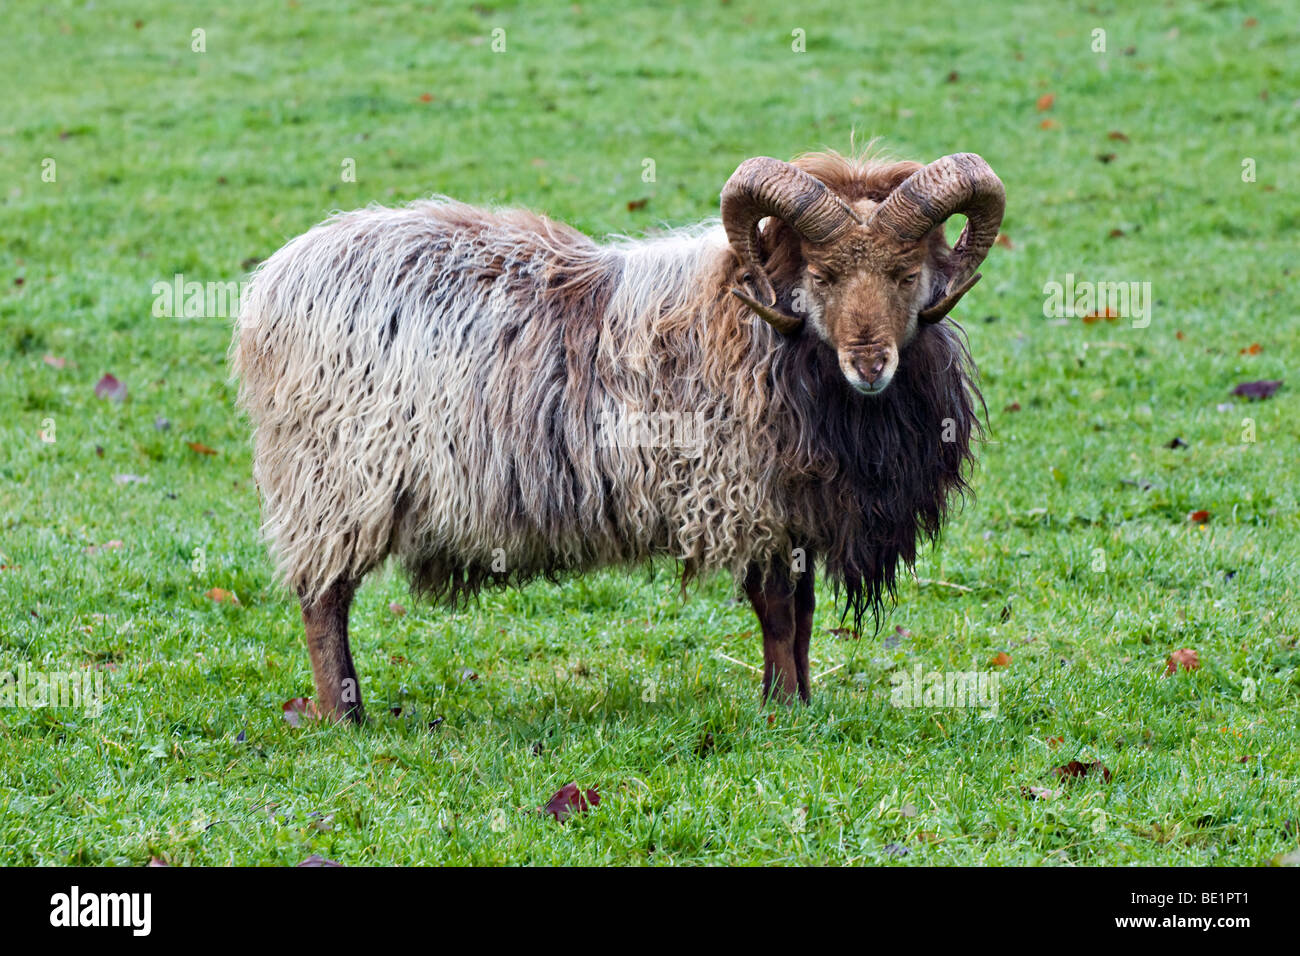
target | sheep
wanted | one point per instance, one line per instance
(468, 390)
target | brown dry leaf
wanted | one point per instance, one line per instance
(106, 546)
(1056, 741)
(1257, 390)
(845, 633)
(1002, 659)
(110, 387)
(426, 97)
(569, 800)
(1253, 349)
(298, 708)
(1003, 240)
(1045, 102)
(1199, 517)
(1039, 793)
(1075, 769)
(634, 204)
(1184, 659)
(1049, 124)
(396, 609)
(1117, 135)
(200, 448)
(221, 596)
(1109, 314)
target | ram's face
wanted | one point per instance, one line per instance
(868, 264)
(862, 299)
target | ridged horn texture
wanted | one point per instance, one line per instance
(959, 183)
(762, 187)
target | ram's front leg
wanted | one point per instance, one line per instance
(773, 597)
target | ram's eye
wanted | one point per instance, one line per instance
(819, 278)
(911, 277)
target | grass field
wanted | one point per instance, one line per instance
(1077, 560)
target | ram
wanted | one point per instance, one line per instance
(491, 396)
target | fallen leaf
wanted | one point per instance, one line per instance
(1045, 102)
(1253, 349)
(1117, 135)
(1003, 240)
(1056, 741)
(1199, 517)
(200, 448)
(106, 546)
(845, 633)
(1250, 22)
(1039, 793)
(1257, 390)
(1013, 407)
(1182, 659)
(297, 708)
(1075, 769)
(568, 800)
(634, 204)
(53, 361)
(1002, 659)
(1109, 314)
(221, 596)
(953, 76)
(1106, 157)
(426, 97)
(317, 860)
(110, 387)
(396, 609)
(1049, 124)
(1115, 234)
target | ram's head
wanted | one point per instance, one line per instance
(868, 272)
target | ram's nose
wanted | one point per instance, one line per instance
(870, 367)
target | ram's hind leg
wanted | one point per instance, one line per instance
(338, 692)
(772, 596)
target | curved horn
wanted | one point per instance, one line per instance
(762, 187)
(960, 183)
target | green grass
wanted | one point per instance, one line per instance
(169, 161)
